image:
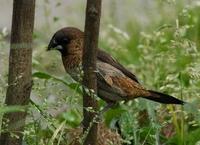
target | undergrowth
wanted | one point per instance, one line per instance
(163, 52)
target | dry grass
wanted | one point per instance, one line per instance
(106, 136)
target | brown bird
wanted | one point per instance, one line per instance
(114, 82)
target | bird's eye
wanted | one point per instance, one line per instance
(65, 40)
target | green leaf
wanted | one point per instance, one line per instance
(112, 114)
(72, 118)
(13, 108)
(191, 139)
(184, 78)
(76, 86)
(41, 75)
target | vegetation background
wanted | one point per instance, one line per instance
(158, 40)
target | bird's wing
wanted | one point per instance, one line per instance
(105, 83)
(114, 85)
(105, 57)
(114, 81)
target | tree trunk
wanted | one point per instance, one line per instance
(92, 22)
(19, 78)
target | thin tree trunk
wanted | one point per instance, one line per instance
(92, 23)
(19, 78)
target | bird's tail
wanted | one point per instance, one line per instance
(163, 98)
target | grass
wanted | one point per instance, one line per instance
(159, 43)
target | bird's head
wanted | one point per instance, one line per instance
(67, 40)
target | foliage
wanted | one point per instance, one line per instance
(162, 50)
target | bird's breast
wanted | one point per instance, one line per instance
(73, 66)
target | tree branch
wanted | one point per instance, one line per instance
(92, 22)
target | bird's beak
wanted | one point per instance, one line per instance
(53, 45)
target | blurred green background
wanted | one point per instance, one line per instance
(158, 40)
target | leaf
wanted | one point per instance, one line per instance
(191, 139)
(164, 26)
(184, 78)
(72, 118)
(113, 114)
(13, 108)
(41, 75)
(76, 86)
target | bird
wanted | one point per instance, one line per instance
(115, 83)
